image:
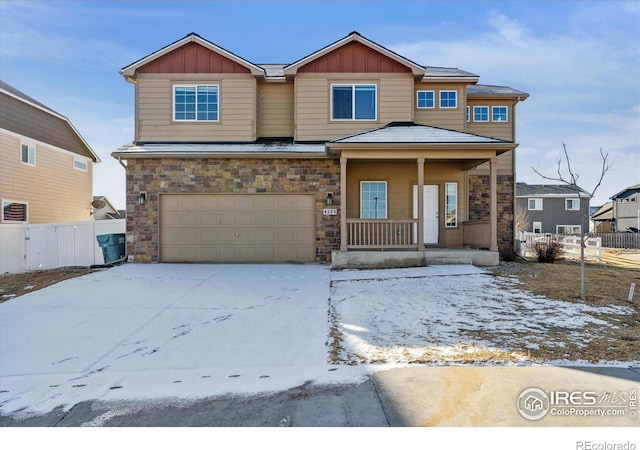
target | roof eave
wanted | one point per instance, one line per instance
(220, 155)
(516, 96)
(444, 79)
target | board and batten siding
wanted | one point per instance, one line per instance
(154, 109)
(275, 110)
(54, 190)
(449, 118)
(313, 103)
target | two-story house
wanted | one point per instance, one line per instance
(46, 166)
(555, 208)
(350, 150)
(626, 209)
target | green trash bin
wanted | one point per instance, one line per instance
(113, 246)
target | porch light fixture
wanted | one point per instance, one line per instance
(329, 198)
(142, 198)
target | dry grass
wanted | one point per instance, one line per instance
(15, 285)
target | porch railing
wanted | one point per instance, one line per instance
(477, 234)
(382, 233)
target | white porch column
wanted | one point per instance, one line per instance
(493, 212)
(344, 231)
(420, 204)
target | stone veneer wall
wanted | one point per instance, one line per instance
(479, 197)
(211, 176)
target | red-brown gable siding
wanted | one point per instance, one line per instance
(193, 58)
(354, 57)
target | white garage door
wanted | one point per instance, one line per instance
(237, 228)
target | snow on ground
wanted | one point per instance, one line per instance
(188, 331)
(451, 313)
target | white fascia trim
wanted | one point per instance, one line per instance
(24, 138)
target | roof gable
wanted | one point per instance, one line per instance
(627, 192)
(367, 55)
(191, 54)
(549, 190)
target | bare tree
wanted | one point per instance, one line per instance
(572, 180)
(522, 219)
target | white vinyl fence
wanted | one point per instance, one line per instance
(25, 247)
(570, 244)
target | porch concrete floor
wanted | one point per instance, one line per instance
(411, 258)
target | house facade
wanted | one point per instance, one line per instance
(626, 209)
(350, 148)
(46, 167)
(556, 209)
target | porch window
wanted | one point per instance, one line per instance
(373, 199)
(535, 204)
(451, 205)
(572, 204)
(195, 102)
(448, 99)
(426, 99)
(353, 102)
(28, 154)
(14, 211)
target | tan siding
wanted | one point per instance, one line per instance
(237, 111)
(275, 110)
(449, 118)
(54, 190)
(499, 130)
(400, 178)
(505, 165)
(312, 104)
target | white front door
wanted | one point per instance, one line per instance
(430, 212)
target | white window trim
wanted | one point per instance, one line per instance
(8, 200)
(81, 161)
(353, 102)
(536, 200)
(173, 103)
(571, 227)
(426, 107)
(29, 144)
(506, 116)
(488, 113)
(539, 227)
(566, 202)
(386, 200)
(446, 224)
(440, 100)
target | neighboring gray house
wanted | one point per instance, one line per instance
(626, 209)
(553, 208)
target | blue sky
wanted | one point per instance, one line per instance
(580, 61)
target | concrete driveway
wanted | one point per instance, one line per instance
(234, 345)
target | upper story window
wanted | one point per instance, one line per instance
(535, 204)
(468, 114)
(14, 211)
(353, 102)
(373, 199)
(499, 114)
(480, 113)
(79, 164)
(28, 154)
(448, 99)
(572, 204)
(426, 99)
(195, 102)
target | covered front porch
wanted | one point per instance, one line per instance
(404, 198)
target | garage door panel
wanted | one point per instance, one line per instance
(237, 227)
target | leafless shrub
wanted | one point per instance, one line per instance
(548, 251)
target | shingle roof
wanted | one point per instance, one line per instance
(627, 192)
(177, 149)
(548, 190)
(447, 72)
(405, 133)
(493, 90)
